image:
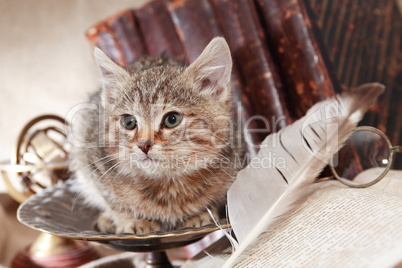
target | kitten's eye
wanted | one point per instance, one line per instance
(172, 119)
(128, 122)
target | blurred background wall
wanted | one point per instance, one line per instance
(46, 63)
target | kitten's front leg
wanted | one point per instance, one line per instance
(119, 223)
(105, 223)
(199, 220)
(136, 226)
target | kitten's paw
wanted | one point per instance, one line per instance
(199, 220)
(105, 224)
(137, 226)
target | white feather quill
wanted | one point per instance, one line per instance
(290, 160)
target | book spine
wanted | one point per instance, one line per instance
(241, 28)
(127, 35)
(195, 25)
(250, 135)
(288, 30)
(118, 37)
(158, 32)
(100, 35)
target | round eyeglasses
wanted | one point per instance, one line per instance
(362, 148)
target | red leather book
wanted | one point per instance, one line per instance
(158, 32)
(288, 30)
(127, 36)
(100, 35)
(195, 25)
(260, 79)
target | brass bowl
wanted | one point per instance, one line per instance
(60, 212)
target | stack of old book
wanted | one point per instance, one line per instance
(279, 68)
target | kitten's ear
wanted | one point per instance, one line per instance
(112, 75)
(210, 72)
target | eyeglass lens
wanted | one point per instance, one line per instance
(362, 150)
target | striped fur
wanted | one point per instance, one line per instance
(182, 174)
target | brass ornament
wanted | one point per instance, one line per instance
(40, 161)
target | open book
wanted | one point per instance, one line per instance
(336, 226)
(282, 219)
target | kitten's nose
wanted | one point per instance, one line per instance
(145, 146)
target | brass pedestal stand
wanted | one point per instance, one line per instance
(52, 251)
(39, 162)
(157, 259)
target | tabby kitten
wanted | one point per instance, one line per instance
(157, 151)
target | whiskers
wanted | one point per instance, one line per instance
(99, 163)
(108, 172)
(205, 162)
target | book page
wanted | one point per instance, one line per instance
(335, 227)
